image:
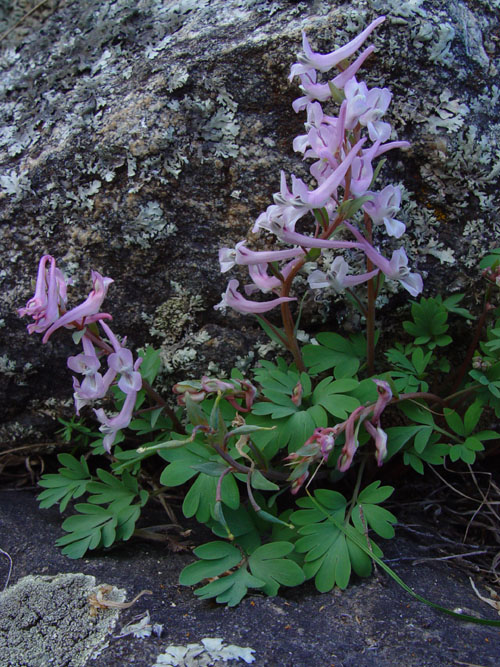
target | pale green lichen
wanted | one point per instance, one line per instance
(7, 366)
(150, 225)
(47, 620)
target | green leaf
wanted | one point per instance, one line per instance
(258, 481)
(414, 461)
(97, 526)
(215, 559)
(269, 564)
(334, 351)
(275, 333)
(454, 421)
(177, 473)
(195, 414)
(275, 411)
(211, 468)
(350, 207)
(376, 517)
(71, 481)
(472, 417)
(111, 488)
(417, 412)
(200, 499)
(422, 438)
(374, 493)
(324, 545)
(230, 589)
(398, 437)
(151, 363)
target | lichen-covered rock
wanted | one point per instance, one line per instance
(138, 137)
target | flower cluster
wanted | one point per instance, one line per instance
(230, 390)
(48, 310)
(318, 447)
(343, 150)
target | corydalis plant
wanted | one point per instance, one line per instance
(343, 168)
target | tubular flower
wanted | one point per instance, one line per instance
(382, 208)
(380, 437)
(308, 59)
(111, 425)
(86, 312)
(228, 257)
(49, 298)
(351, 439)
(233, 299)
(264, 282)
(94, 385)
(121, 361)
(337, 277)
(322, 91)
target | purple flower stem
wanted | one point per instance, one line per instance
(370, 306)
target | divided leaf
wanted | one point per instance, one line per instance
(71, 481)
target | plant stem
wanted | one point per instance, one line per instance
(473, 345)
(355, 493)
(164, 405)
(370, 306)
(239, 467)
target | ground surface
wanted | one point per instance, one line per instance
(372, 623)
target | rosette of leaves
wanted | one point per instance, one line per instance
(295, 407)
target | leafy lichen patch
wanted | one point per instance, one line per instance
(48, 620)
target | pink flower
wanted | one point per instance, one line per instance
(49, 297)
(121, 361)
(311, 60)
(380, 437)
(86, 312)
(382, 208)
(337, 277)
(322, 91)
(242, 255)
(396, 268)
(111, 425)
(264, 282)
(94, 385)
(351, 440)
(233, 299)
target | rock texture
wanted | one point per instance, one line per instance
(138, 137)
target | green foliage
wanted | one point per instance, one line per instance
(95, 526)
(236, 571)
(429, 325)
(464, 429)
(488, 390)
(75, 431)
(329, 532)
(410, 367)
(334, 351)
(71, 481)
(491, 261)
(295, 420)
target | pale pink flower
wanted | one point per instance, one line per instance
(86, 311)
(308, 59)
(49, 298)
(233, 299)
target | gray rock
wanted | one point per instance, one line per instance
(138, 138)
